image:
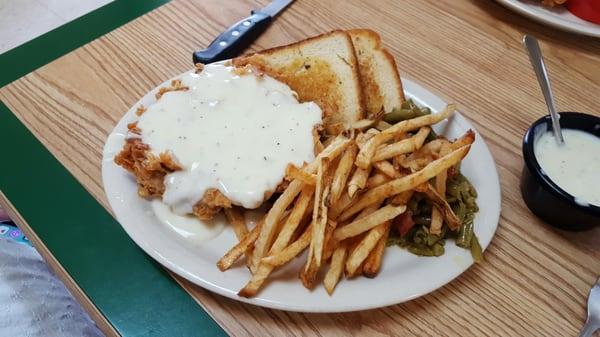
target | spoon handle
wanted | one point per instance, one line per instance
(537, 61)
(588, 329)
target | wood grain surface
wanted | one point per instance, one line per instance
(535, 280)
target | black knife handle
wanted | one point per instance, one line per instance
(234, 40)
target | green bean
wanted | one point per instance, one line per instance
(420, 237)
(407, 110)
(398, 115)
(460, 210)
(453, 188)
(438, 249)
(433, 239)
(396, 241)
(435, 250)
(465, 234)
(476, 250)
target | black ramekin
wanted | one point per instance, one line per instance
(543, 197)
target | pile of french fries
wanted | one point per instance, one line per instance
(342, 205)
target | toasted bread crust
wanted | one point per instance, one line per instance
(331, 84)
(381, 83)
(395, 74)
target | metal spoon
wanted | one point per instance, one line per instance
(593, 319)
(537, 61)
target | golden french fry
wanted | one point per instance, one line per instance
(308, 275)
(366, 245)
(363, 138)
(319, 219)
(335, 148)
(274, 260)
(342, 172)
(291, 251)
(352, 243)
(397, 160)
(330, 243)
(272, 218)
(432, 150)
(402, 198)
(440, 185)
(358, 181)
(466, 139)
(363, 124)
(442, 205)
(367, 222)
(368, 210)
(298, 212)
(382, 125)
(336, 267)
(236, 251)
(372, 264)
(260, 274)
(376, 180)
(237, 221)
(363, 159)
(386, 168)
(436, 222)
(297, 173)
(406, 183)
(256, 281)
(404, 146)
(337, 208)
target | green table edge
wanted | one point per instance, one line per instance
(29, 56)
(136, 295)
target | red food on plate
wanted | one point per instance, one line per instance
(404, 223)
(588, 10)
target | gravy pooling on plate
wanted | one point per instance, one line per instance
(574, 166)
(233, 132)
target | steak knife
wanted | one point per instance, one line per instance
(241, 34)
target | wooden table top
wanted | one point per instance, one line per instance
(535, 279)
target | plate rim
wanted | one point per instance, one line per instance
(409, 86)
(534, 12)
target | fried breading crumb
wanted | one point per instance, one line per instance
(176, 85)
(140, 110)
(133, 128)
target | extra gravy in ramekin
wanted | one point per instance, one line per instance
(574, 166)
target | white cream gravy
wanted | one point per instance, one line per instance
(230, 132)
(574, 166)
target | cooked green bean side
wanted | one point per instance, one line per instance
(460, 194)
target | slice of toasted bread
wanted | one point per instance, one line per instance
(381, 85)
(322, 69)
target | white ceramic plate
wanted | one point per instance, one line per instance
(403, 276)
(558, 17)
